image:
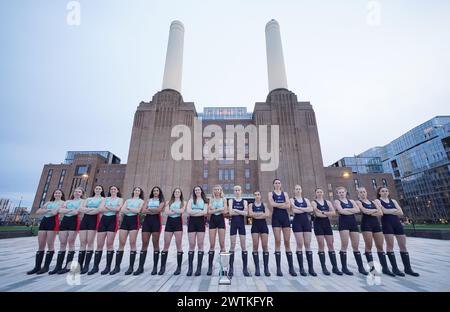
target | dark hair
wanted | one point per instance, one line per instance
(172, 198)
(141, 194)
(77, 188)
(161, 195)
(194, 197)
(379, 189)
(63, 197)
(276, 179)
(102, 194)
(118, 191)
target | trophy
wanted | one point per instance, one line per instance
(224, 260)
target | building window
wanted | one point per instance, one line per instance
(205, 173)
(226, 186)
(374, 184)
(356, 184)
(226, 174)
(247, 173)
(205, 187)
(384, 182)
(220, 174)
(247, 186)
(61, 178)
(80, 170)
(231, 174)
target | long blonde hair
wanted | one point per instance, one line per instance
(222, 195)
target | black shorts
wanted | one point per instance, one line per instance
(108, 224)
(237, 225)
(370, 224)
(49, 224)
(259, 226)
(216, 222)
(71, 223)
(392, 225)
(174, 224)
(152, 223)
(322, 226)
(90, 222)
(196, 224)
(130, 223)
(280, 218)
(301, 223)
(348, 223)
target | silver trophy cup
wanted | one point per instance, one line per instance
(224, 259)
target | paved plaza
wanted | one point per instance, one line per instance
(429, 257)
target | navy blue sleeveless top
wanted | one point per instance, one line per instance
(323, 207)
(279, 199)
(349, 205)
(238, 205)
(389, 205)
(368, 206)
(260, 208)
(302, 204)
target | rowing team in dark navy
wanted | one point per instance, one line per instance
(100, 217)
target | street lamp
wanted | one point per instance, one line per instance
(85, 177)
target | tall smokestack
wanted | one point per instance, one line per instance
(174, 57)
(275, 60)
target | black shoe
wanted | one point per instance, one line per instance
(190, 263)
(359, 262)
(290, 263)
(407, 264)
(266, 263)
(278, 262)
(48, 260)
(345, 270)
(384, 266)
(198, 272)
(97, 259)
(86, 264)
(231, 266)
(393, 261)
(81, 257)
(69, 260)
(142, 258)
(109, 258)
(300, 263)
(131, 266)
(59, 262)
(210, 262)
(333, 261)
(37, 262)
(309, 258)
(179, 261)
(162, 270)
(322, 263)
(119, 256)
(256, 261)
(244, 264)
(155, 262)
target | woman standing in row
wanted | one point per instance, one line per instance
(88, 229)
(279, 201)
(301, 226)
(151, 228)
(47, 231)
(197, 209)
(348, 228)
(238, 211)
(323, 209)
(392, 227)
(217, 209)
(260, 232)
(129, 227)
(68, 230)
(371, 229)
(107, 228)
(174, 210)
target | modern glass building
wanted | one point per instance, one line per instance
(419, 160)
(360, 164)
(224, 113)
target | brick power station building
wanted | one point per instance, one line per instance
(150, 160)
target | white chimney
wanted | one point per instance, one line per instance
(174, 57)
(275, 60)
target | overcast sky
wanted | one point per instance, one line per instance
(77, 87)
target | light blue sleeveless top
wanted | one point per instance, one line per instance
(175, 206)
(112, 203)
(216, 204)
(133, 204)
(153, 203)
(73, 204)
(93, 202)
(199, 206)
(53, 205)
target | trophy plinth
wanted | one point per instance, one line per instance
(224, 260)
